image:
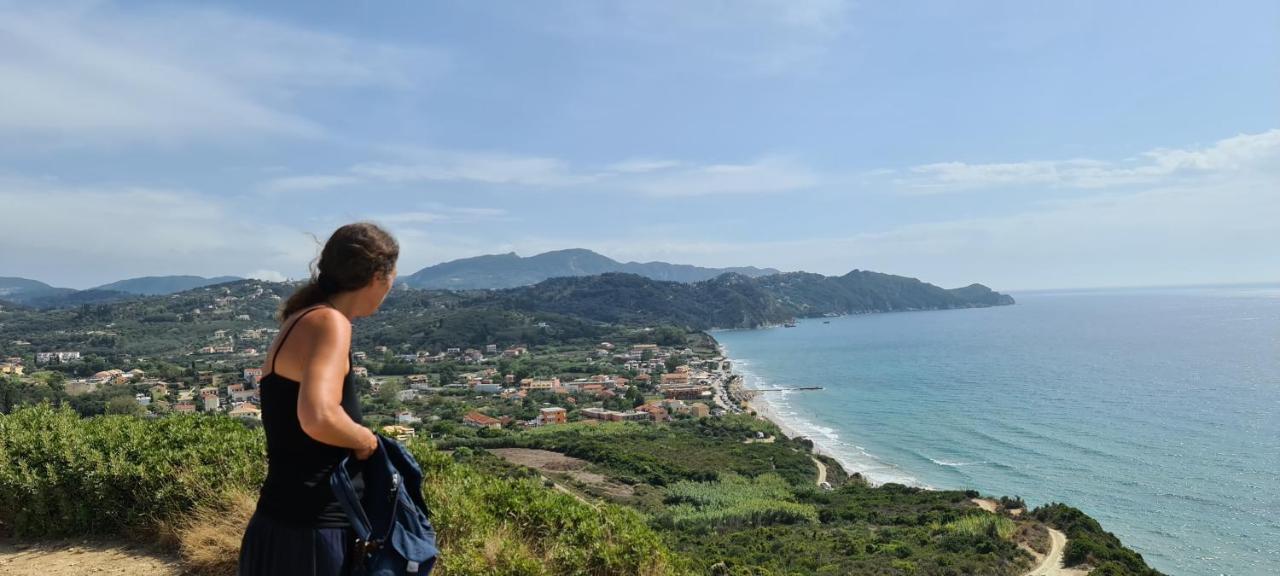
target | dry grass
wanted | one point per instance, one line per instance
(209, 537)
(1033, 535)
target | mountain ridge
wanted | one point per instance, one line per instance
(37, 294)
(159, 285)
(510, 270)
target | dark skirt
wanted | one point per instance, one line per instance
(273, 547)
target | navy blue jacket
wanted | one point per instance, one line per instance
(392, 524)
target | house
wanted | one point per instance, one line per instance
(244, 317)
(686, 392)
(643, 377)
(406, 417)
(234, 388)
(674, 406)
(658, 413)
(698, 410)
(478, 419)
(184, 407)
(9, 368)
(515, 351)
(246, 410)
(405, 395)
(638, 349)
(159, 391)
(539, 384)
(243, 395)
(209, 391)
(59, 357)
(359, 356)
(360, 371)
(211, 403)
(612, 415)
(379, 349)
(143, 398)
(675, 379)
(552, 415)
(252, 376)
(401, 433)
(488, 388)
(491, 349)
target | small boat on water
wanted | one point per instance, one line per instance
(790, 324)
(826, 321)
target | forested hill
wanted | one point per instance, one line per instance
(157, 285)
(737, 301)
(497, 271)
(560, 309)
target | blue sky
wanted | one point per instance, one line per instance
(1021, 145)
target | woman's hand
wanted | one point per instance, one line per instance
(364, 452)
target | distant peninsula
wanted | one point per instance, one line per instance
(497, 271)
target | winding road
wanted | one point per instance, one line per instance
(1051, 564)
(822, 470)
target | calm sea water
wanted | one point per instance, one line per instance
(1156, 412)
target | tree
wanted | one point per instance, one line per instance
(124, 405)
(635, 396)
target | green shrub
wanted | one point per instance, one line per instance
(62, 475)
(984, 524)
(1088, 543)
(110, 475)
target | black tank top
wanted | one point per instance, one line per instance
(298, 466)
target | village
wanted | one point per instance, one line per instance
(454, 391)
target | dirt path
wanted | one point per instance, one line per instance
(822, 470)
(1051, 564)
(74, 558)
(555, 463)
(985, 504)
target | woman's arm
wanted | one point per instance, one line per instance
(320, 393)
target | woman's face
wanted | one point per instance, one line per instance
(377, 291)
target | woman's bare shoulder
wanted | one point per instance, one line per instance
(324, 320)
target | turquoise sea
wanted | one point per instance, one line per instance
(1155, 411)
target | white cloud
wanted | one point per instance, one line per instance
(78, 72)
(267, 275)
(1219, 230)
(87, 235)
(307, 183)
(641, 165)
(482, 167)
(766, 175)
(769, 174)
(1241, 152)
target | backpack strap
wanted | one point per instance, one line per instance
(345, 493)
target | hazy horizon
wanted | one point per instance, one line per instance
(1002, 289)
(1053, 146)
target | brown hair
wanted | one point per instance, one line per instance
(354, 255)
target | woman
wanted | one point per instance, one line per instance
(311, 412)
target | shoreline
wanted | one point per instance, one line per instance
(766, 411)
